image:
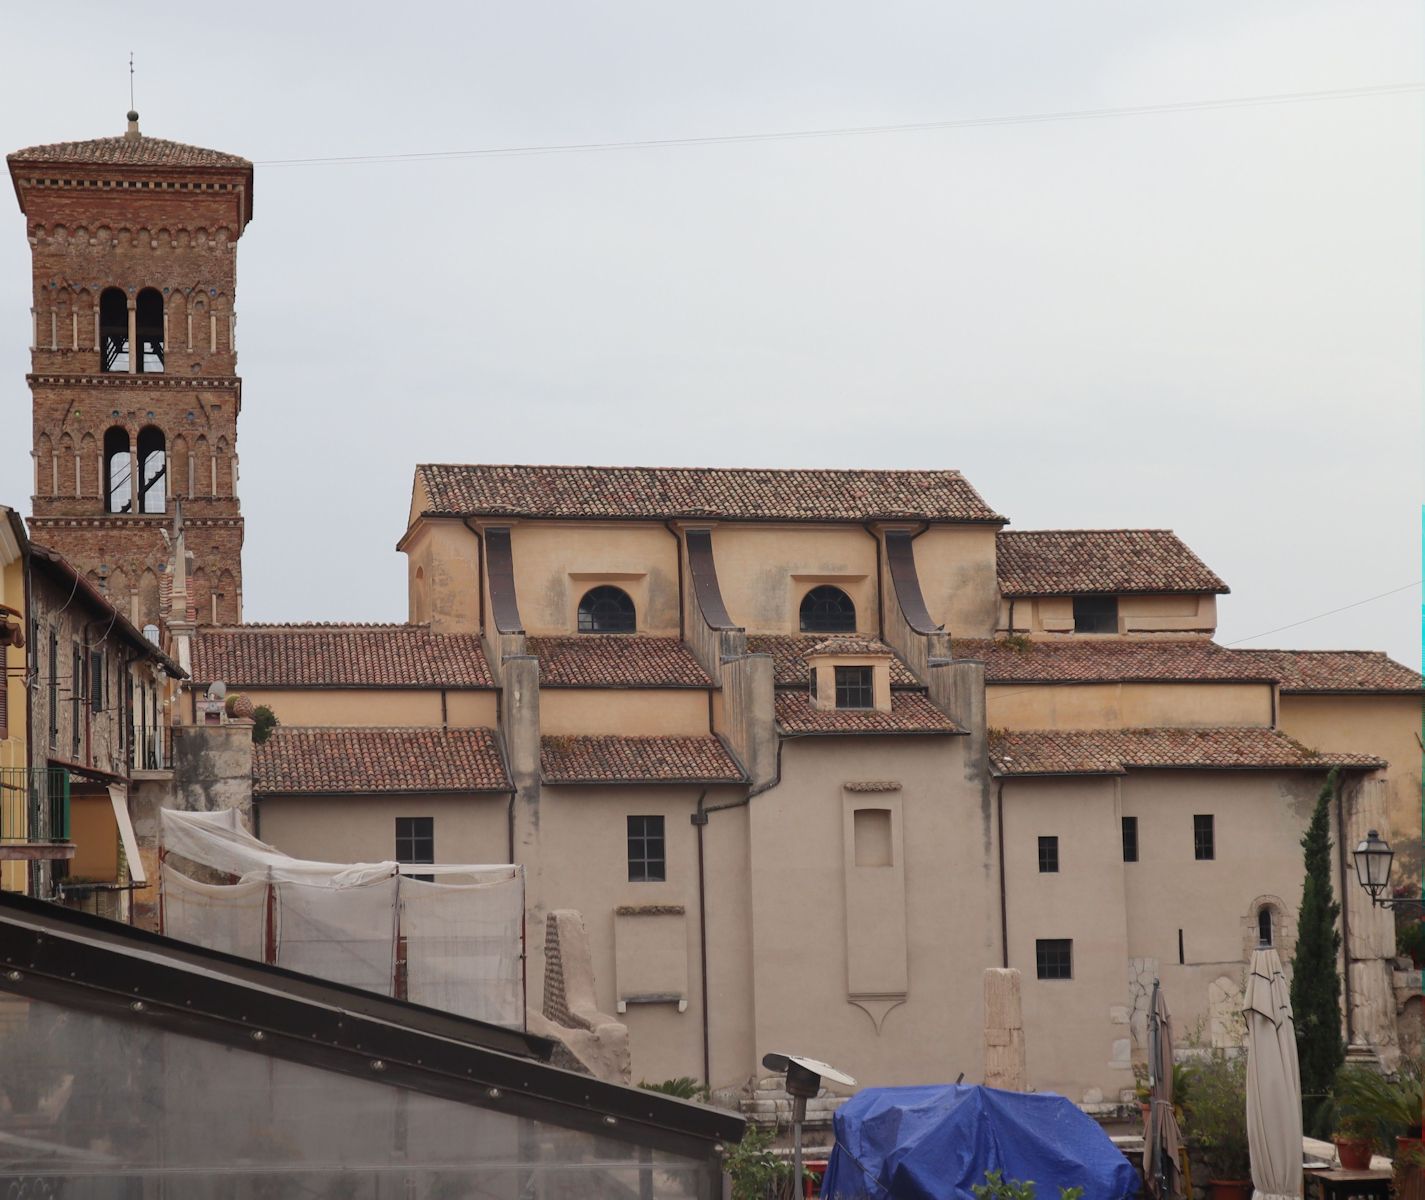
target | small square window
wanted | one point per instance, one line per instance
(1130, 839)
(1095, 614)
(1054, 958)
(647, 858)
(415, 842)
(854, 688)
(1048, 855)
(1203, 842)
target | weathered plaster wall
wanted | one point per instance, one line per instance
(1128, 705)
(956, 565)
(463, 709)
(645, 712)
(1156, 614)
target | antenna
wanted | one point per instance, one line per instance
(131, 79)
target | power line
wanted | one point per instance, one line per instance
(1083, 114)
(1329, 612)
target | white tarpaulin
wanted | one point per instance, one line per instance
(1273, 1081)
(463, 938)
(119, 798)
(463, 947)
(230, 918)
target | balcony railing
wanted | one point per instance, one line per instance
(34, 804)
(152, 751)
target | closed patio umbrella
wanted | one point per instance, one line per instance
(1162, 1151)
(1273, 1081)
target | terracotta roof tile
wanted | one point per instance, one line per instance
(608, 759)
(616, 660)
(789, 651)
(338, 656)
(1113, 751)
(142, 151)
(660, 493)
(1335, 670)
(911, 712)
(1063, 562)
(849, 646)
(316, 761)
(1069, 661)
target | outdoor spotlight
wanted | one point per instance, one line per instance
(804, 1076)
(1373, 858)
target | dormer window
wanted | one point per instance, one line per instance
(855, 687)
(827, 609)
(607, 609)
(1095, 614)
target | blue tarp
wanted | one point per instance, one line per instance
(932, 1143)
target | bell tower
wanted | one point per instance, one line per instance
(133, 370)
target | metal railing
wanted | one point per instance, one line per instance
(34, 804)
(152, 751)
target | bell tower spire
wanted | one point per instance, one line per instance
(133, 371)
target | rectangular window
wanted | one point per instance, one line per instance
(647, 862)
(1130, 839)
(1095, 614)
(415, 842)
(1203, 846)
(854, 688)
(1054, 958)
(96, 681)
(1048, 855)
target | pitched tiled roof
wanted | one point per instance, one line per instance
(608, 759)
(660, 493)
(1062, 562)
(296, 761)
(1335, 670)
(616, 660)
(789, 651)
(911, 712)
(122, 151)
(1112, 751)
(338, 656)
(850, 645)
(1068, 661)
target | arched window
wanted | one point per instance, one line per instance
(1264, 926)
(153, 471)
(118, 486)
(606, 610)
(148, 329)
(113, 330)
(828, 609)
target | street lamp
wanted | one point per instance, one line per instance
(1373, 860)
(803, 1082)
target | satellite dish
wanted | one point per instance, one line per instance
(218, 690)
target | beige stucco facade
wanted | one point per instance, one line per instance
(628, 712)
(1129, 705)
(1052, 616)
(455, 708)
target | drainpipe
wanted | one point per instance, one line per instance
(1003, 893)
(1345, 906)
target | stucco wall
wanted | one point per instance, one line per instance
(557, 562)
(956, 565)
(468, 829)
(1388, 726)
(1128, 705)
(448, 556)
(799, 927)
(1150, 614)
(646, 712)
(377, 706)
(766, 570)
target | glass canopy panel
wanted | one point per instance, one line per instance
(95, 1106)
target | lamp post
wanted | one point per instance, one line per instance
(804, 1077)
(1373, 858)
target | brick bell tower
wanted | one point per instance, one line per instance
(133, 366)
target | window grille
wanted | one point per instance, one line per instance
(854, 688)
(1203, 846)
(1048, 855)
(415, 842)
(606, 610)
(827, 609)
(1054, 958)
(647, 861)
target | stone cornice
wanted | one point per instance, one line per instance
(125, 521)
(121, 380)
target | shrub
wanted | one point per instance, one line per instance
(264, 721)
(1216, 1113)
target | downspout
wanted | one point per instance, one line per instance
(1345, 919)
(1011, 616)
(1003, 891)
(678, 541)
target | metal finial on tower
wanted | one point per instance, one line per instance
(132, 132)
(131, 81)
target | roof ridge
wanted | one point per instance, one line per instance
(1094, 529)
(245, 626)
(729, 470)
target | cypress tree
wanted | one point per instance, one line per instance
(1316, 978)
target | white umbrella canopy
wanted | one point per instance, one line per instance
(1273, 1081)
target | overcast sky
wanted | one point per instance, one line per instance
(1206, 320)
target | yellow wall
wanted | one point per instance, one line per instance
(447, 555)
(377, 706)
(766, 570)
(645, 712)
(1127, 705)
(1387, 726)
(956, 565)
(1054, 615)
(95, 835)
(468, 829)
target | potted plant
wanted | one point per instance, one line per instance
(1354, 1139)
(1216, 1123)
(1142, 1089)
(1389, 1105)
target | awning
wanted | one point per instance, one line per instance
(119, 798)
